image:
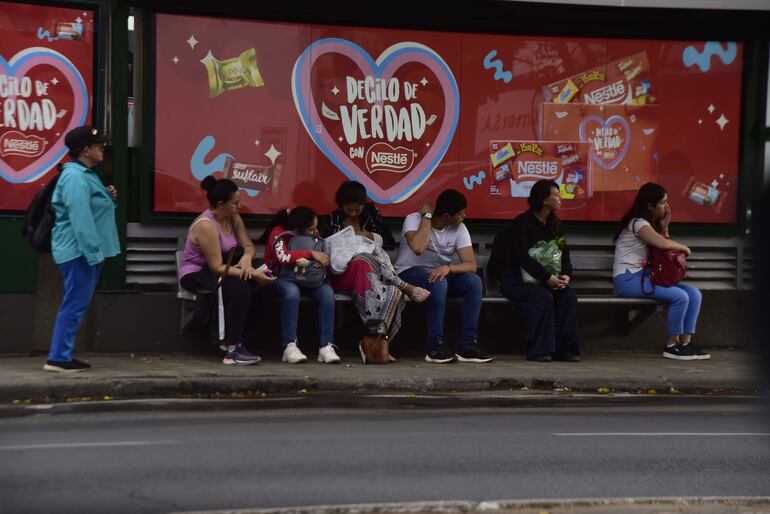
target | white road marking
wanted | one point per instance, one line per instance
(106, 444)
(660, 434)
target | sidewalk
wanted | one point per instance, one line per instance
(158, 375)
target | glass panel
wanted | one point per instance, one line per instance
(289, 111)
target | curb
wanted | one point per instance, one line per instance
(62, 388)
(463, 507)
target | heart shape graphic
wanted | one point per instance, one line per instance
(19, 66)
(384, 68)
(608, 123)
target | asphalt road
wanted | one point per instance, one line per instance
(176, 460)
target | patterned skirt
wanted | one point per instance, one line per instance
(375, 290)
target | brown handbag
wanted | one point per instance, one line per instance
(374, 349)
(375, 346)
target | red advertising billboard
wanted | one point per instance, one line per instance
(46, 75)
(290, 111)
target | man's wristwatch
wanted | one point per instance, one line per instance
(428, 215)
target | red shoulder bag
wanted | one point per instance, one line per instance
(665, 268)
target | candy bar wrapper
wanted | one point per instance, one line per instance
(704, 194)
(501, 155)
(625, 81)
(67, 30)
(623, 140)
(233, 73)
(255, 177)
(566, 163)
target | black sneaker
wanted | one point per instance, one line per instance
(472, 353)
(679, 352)
(440, 354)
(566, 357)
(695, 350)
(541, 358)
(72, 366)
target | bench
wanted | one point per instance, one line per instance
(585, 265)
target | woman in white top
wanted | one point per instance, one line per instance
(644, 225)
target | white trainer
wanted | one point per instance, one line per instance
(327, 355)
(292, 354)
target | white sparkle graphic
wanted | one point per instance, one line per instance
(256, 142)
(192, 41)
(85, 13)
(335, 91)
(700, 122)
(272, 154)
(427, 144)
(54, 81)
(711, 108)
(340, 139)
(721, 175)
(175, 59)
(722, 121)
(424, 82)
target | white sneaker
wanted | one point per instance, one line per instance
(292, 354)
(327, 355)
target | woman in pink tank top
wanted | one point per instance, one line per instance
(212, 235)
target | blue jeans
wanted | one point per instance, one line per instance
(80, 281)
(464, 285)
(684, 301)
(290, 293)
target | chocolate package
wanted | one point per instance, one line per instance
(707, 195)
(234, 73)
(516, 165)
(625, 81)
(254, 177)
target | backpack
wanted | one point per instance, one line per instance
(40, 218)
(311, 276)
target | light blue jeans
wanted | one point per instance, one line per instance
(290, 294)
(80, 281)
(684, 301)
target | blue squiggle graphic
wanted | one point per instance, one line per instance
(251, 192)
(44, 34)
(472, 180)
(497, 64)
(692, 56)
(198, 165)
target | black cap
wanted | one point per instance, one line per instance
(80, 137)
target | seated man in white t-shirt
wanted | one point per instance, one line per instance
(430, 240)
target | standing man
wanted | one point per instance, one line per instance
(83, 236)
(431, 237)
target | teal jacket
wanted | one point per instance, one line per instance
(85, 217)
